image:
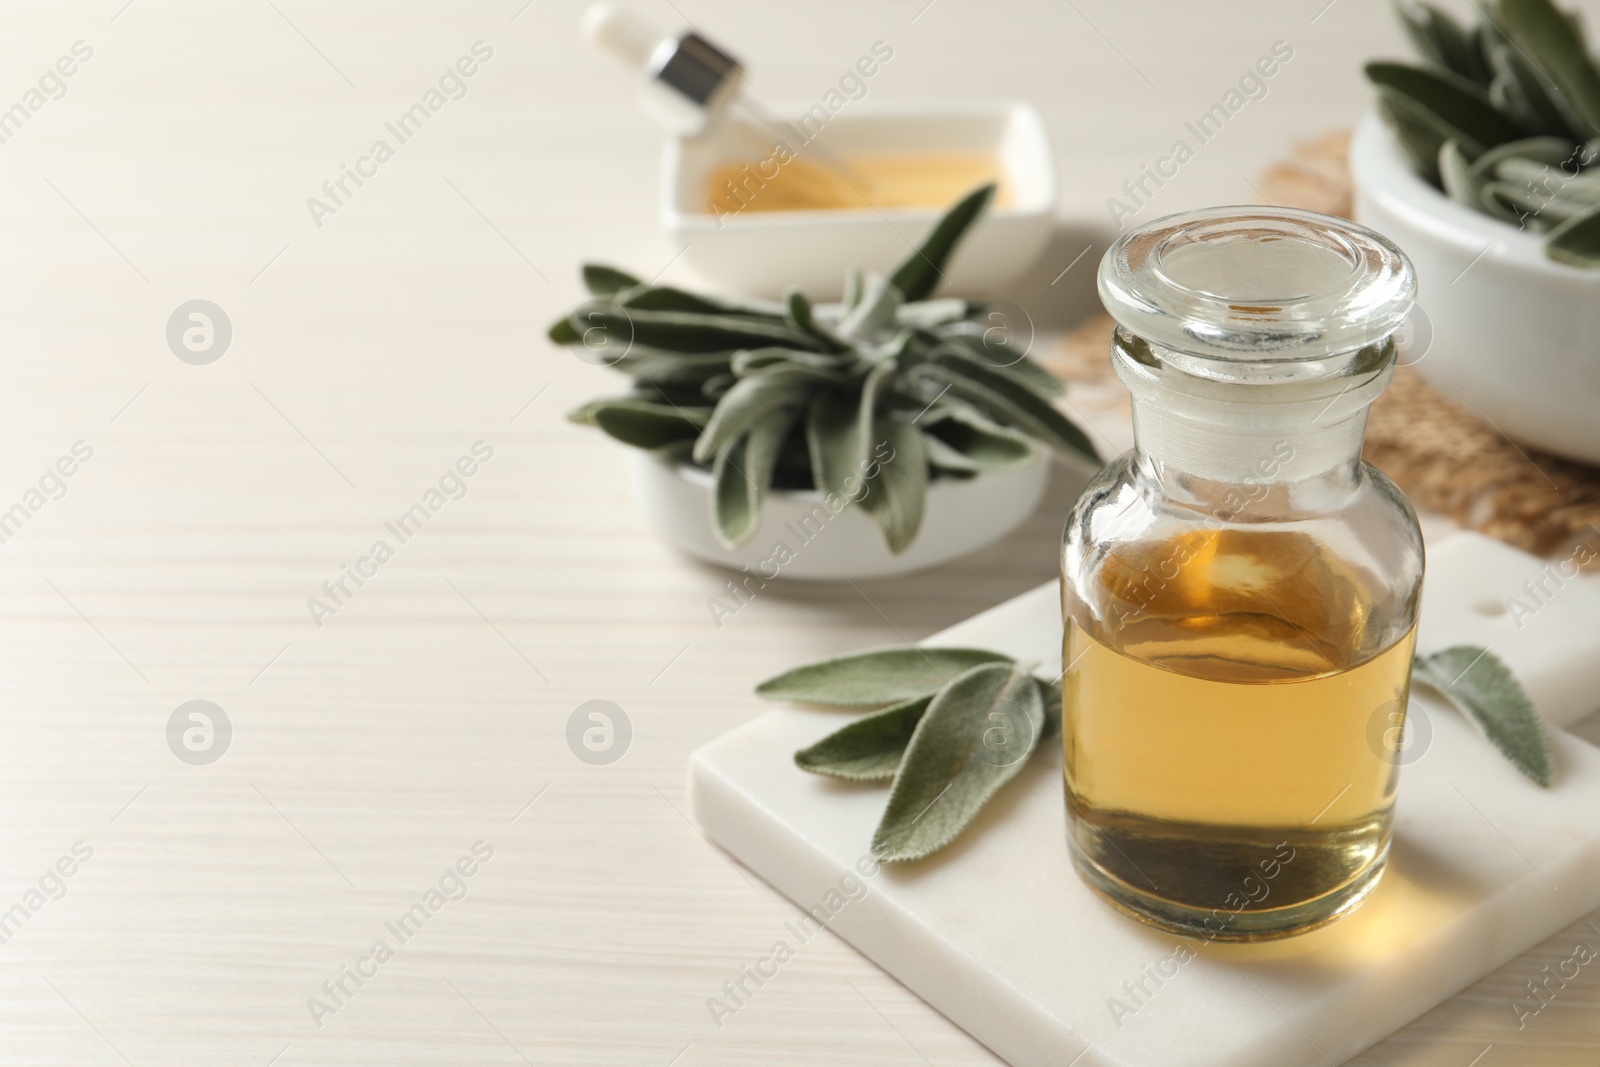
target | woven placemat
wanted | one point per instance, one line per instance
(1444, 458)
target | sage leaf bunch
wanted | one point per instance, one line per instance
(868, 402)
(1504, 117)
(949, 727)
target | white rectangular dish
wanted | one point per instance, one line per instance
(763, 253)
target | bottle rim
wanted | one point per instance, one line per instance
(1245, 293)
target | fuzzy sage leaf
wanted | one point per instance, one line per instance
(922, 271)
(1477, 682)
(869, 749)
(873, 679)
(975, 736)
(741, 474)
(1576, 241)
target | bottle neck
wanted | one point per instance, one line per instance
(1284, 441)
(1259, 472)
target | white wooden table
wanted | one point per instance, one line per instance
(430, 711)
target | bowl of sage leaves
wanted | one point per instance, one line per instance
(888, 433)
(1481, 160)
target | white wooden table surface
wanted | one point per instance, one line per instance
(370, 753)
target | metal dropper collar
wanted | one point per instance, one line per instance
(690, 79)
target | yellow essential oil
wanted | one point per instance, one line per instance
(1230, 749)
(872, 181)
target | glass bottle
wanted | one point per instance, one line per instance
(1241, 589)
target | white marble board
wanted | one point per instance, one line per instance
(1000, 935)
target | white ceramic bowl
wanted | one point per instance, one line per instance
(820, 545)
(764, 253)
(1516, 336)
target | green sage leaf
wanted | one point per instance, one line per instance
(741, 474)
(1550, 40)
(834, 444)
(562, 332)
(896, 496)
(985, 445)
(800, 317)
(1453, 107)
(1521, 92)
(875, 678)
(1550, 151)
(852, 290)
(920, 273)
(683, 331)
(1442, 40)
(928, 314)
(1461, 182)
(999, 356)
(975, 736)
(1477, 682)
(642, 423)
(1576, 242)
(748, 402)
(603, 281)
(652, 366)
(869, 749)
(1014, 403)
(668, 298)
(873, 312)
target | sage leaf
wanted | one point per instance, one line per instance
(1459, 109)
(652, 366)
(1461, 103)
(1018, 405)
(1442, 40)
(1576, 242)
(1530, 205)
(757, 360)
(741, 474)
(975, 736)
(603, 281)
(920, 273)
(1521, 92)
(895, 497)
(875, 678)
(869, 749)
(684, 331)
(748, 402)
(926, 314)
(833, 443)
(947, 460)
(716, 387)
(873, 312)
(1477, 682)
(562, 333)
(667, 298)
(1550, 151)
(643, 423)
(800, 318)
(852, 290)
(984, 445)
(999, 356)
(1462, 183)
(1551, 40)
